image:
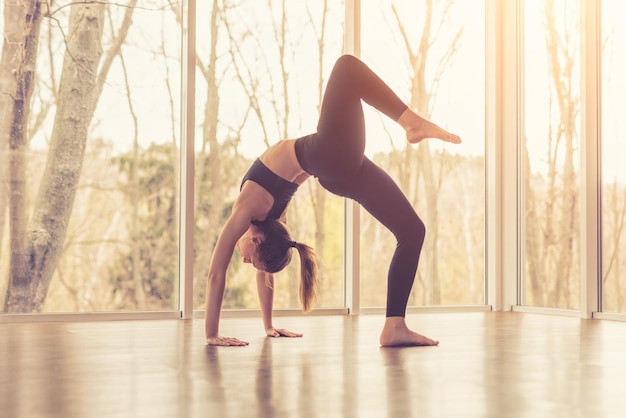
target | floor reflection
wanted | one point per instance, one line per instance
(398, 385)
(264, 381)
(493, 365)
(216, 392)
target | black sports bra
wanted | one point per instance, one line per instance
(282, 190)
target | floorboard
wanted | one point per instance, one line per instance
(489, 364)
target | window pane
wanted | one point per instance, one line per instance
(613, 151)
(259, 80)
(88, 208)
(550, 154)
(443, 80)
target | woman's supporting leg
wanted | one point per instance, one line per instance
(376, 191)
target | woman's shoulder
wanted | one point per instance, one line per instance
(253, 201)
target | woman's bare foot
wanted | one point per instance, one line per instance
(396, 334)
(417, 129)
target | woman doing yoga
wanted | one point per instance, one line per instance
(335, 156)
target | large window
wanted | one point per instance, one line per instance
(90, 107)
(549, 154)
(613, 152)
(432, 55)
(261, 69)
(89, 152)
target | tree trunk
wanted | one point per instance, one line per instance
(420, 101)
(14, 19)
(36, 248)
(561, 55)
(429, 254)
(533, 243)
(19, 289)
(319, 193)
(209, 167)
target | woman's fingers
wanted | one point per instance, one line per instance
(226, 342)
(234, 342)
(281, 332)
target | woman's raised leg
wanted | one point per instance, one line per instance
(417, 129)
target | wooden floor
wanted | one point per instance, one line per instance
(488, 365)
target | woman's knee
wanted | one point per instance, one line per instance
(413, 233)
(347, 59)
(347, 63)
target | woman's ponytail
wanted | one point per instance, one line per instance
(308, 275)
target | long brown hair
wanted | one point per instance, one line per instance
(308, 275)
(275, 254)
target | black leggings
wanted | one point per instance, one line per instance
(335, 156)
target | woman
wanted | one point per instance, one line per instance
(334, 155)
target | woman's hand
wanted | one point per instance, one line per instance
(280, 332)
(225, 341)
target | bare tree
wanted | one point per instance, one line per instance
(265, 79)
(212, 174)
(317, 193)
(37, 243)
(420, 159)
(552, 202)
(14, 20)
(614, 223)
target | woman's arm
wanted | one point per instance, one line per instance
(266, 296)
(235, 227)
(265, 287)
